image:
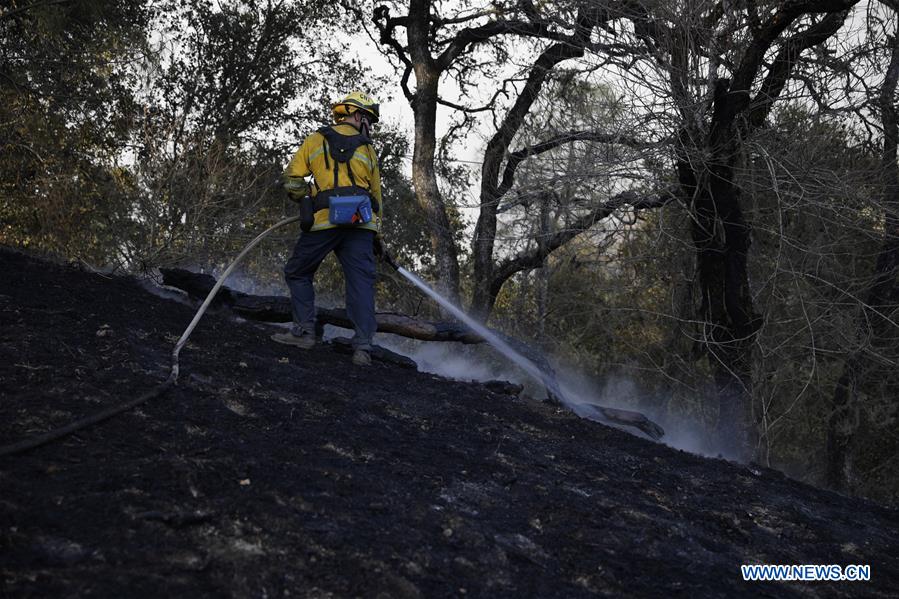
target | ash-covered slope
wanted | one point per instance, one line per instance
(270, 471)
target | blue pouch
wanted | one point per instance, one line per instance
(349, 210)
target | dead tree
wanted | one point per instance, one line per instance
(708, 150)
(437, 45)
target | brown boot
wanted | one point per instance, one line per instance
(361, 357)
(304, 341)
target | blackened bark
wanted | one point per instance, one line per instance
(542, 279)
(721, 237)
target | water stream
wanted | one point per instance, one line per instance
(585, 410)
(489, 336)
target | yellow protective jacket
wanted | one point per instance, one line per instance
(310, 159)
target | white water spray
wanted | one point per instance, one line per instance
(489, 336)
(590, 411)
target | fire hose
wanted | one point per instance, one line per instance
(59, 433)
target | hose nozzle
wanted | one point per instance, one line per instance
(388, 259)
(383, 254)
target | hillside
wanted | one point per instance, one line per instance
(269, 471)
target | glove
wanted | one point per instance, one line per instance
(297, 188)
(382, 253)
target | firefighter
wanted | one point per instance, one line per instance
(340, 212)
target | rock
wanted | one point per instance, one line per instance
(61, 552)
(519, 545)
(344, 345)
(504, 387)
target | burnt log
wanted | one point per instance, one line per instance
(275, 308)
(627, 418)
(504, 388)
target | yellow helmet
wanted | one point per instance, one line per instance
(357, 101)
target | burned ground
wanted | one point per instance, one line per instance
(269, 471)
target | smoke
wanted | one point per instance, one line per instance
(684, 430)
(687, 434)
(614, 392)
(169, 293)
(454, 365)
(457, 361)
(246, 283)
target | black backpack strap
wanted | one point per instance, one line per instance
(336, 171)
(342, 148)
(326, 151)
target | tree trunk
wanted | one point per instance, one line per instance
(722, 238)
(424, 177)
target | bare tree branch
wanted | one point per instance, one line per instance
(386, 25)
(754, 56)
(535, 257)
(786, 60)
(440, 21)
(488, 106)
(8, 14)
(518, 156)
(462, 40)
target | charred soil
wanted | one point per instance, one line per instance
(273, 471)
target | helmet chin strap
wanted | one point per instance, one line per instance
(364, 126)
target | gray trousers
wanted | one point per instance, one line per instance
(353, 248)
